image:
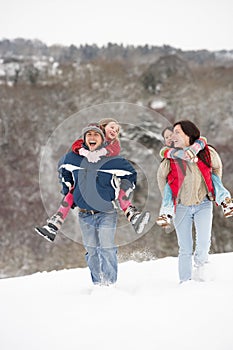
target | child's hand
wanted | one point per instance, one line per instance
(93, 157)
(192, 157)
(83, 152)
(101, 152)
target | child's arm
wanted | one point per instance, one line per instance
(188, 154)
(113, 148)
(110, 150)
(168, 152)
(196, 147)
(92, 157)
(77, 145)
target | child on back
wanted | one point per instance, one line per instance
(111, 129)
(222, 195)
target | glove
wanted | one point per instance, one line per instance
(94, 156)
(91, 156)
(83, 152)
(102, 152)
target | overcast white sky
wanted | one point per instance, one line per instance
(185, 24)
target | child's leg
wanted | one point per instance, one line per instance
(221, 193)
(167, 206)
(54, 224)
(66, 204)
(123, 200)
(138, 219)
(58, 218)
(222, 196)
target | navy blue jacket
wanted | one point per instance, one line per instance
(96, 185)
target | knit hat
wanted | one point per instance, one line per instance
(92, 127)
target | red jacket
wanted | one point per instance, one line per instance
(176, 175)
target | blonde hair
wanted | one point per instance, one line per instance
(105, 121)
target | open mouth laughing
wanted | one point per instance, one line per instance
(92, 144)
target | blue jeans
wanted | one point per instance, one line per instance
(201, 215)
(98, 233)
(167, 206)
(219, 190)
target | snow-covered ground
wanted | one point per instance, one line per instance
(147, 309)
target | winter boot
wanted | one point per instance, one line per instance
(56, 220)
(164, 220)
(138, 219)
(50, 230)
(227, 207)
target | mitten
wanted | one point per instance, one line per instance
(94, 156)
(83, 152)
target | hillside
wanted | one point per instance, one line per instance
(48, 94)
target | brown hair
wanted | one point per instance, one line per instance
(191, 130)
(105, 121)
(170, 128)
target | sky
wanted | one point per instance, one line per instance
(147, 309)
(184, 24)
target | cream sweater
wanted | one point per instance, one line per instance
(193, 189)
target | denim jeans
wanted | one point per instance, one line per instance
(220, 194)
(167, 206)
(201, 215)
(98, 233)
(220, 191)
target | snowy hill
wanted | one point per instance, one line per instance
(48, 94)
(147, 309)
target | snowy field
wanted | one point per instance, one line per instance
(147, 309)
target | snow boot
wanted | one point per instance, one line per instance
(164, 220)
(56, 220)
(138, 219)
(48, 232)
(227, 207)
